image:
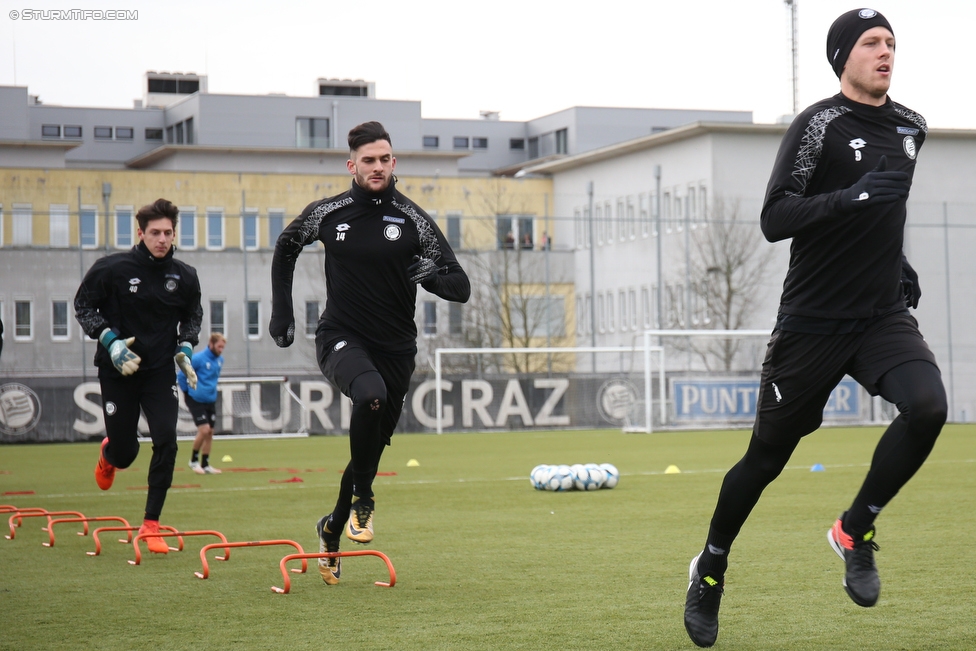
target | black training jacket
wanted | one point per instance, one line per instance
(157, 301)
(841, 266)
(370, 239)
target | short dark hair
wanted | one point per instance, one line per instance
(159, 209)
(366, 133)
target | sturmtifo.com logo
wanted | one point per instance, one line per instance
(20, 409)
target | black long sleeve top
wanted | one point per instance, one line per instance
(843, 267)
(370, 239)
(155, 300)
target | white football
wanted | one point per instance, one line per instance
(561, 478)
(539, 476)
(613, 475)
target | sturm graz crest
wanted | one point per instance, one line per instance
(20, 409)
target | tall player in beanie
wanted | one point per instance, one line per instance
(838, 188)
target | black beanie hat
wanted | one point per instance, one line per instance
(846, 30)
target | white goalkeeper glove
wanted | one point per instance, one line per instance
(124, 360)
(183, 361)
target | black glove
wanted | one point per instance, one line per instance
(422, 270)
(875, 188)
(282, 330)
(909, 285)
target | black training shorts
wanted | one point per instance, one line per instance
(204, 413)
(800, 371)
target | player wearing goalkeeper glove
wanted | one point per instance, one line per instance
(838, 189)
(379, 246)
(143, 307)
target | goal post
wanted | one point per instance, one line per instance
(253, 407)
(646, 352)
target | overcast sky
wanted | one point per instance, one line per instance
(524, 58)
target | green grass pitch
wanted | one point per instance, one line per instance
(483, 561)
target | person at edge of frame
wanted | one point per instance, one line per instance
(838, 188)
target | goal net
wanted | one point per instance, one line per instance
(516, 388)
(252, 407)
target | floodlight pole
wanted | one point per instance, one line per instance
(660, 234)
(794, 46)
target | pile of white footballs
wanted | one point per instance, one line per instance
(584, 477)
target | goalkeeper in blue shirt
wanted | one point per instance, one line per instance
(201, 401)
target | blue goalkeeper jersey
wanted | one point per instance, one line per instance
(207, 367)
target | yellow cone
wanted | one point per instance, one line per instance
(413, 463)
(672, 470)
(227, 458)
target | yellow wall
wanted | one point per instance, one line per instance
(469, 197)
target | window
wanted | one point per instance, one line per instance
(479, 143)
(621, 220)
(624, 321)
(598, 222)
(430, 318)
(588, 321)
(249, 229)
(179, 133)
(611, 313)
(59, 225)
(631, 222)
(253, 312)
(154, 134)
(217, 323)
(51, 131)
(72, 131)
(562, 141)
(460, 142)
(580, 316)
(59, 321)
(703, 204)
(431, 142)
(103, 133)
(543, 318)
(188, 228)
(454, 230)
(215, 228)
(169, 135)
(506, 233)
(608, 215)
(632, 302)
(189, 131)
(23, 320)
(123, 227)
(312, 133)
(88, 221)
(454, 318)
(123, 133)
(645, 222)
(23, 218)
(311, 317)
(646, 307)
(525, 232)
(601, 313)
(534, 147)
(517, 144)
(276, 224)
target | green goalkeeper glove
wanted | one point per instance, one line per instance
(124, 360)
(183, 358)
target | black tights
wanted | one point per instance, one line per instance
(915, 387)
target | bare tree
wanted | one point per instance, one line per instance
(728, 265)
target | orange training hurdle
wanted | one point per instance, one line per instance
(368, 552)
(161, 534)
(36, 513)
(128, 538)
(104, 518)
(253, 543)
